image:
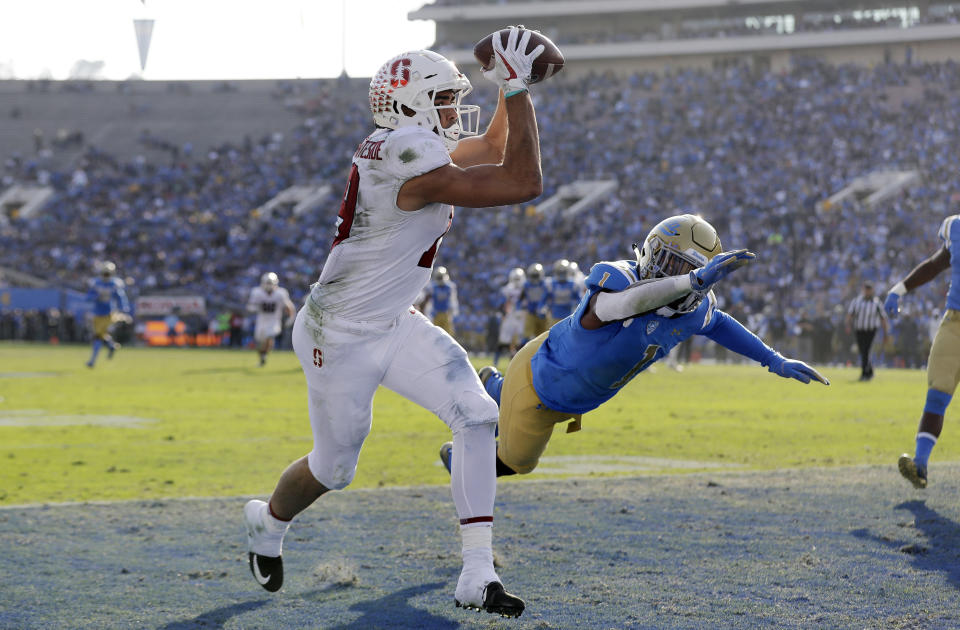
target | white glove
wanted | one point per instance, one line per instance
(511, 65)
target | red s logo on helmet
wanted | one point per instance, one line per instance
(400, 73)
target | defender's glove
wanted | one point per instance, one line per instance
(790, 368)
(511, 65)
(892, 304)
(719, 267)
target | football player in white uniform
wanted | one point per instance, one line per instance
(358, 330)
(269, 301)
(511, 326)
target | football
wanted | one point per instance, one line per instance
(545, 66)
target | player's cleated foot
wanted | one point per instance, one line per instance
(486, 372)
(263, 361)
(112, 349)
(89, 364)
(267, 570)
(446, 453)
(495, 600)
(917, 475)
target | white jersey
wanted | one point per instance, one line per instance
(269, 308)
(382, 256)
(511, 296)
(511, 326)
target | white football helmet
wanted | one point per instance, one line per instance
(516, 277)
(269, 281)
(674, 247)
(411, 81)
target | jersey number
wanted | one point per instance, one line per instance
(347, 207)
(648, 356)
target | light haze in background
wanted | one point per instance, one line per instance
(206, 39)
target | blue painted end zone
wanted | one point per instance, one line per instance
(839, 548)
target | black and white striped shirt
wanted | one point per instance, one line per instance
(867, 313)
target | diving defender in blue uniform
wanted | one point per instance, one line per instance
(633, 313)
(108, 297)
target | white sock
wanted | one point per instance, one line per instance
(477, 552)
(270, 541)
(473, 474)
(476, 537)
(273, 523)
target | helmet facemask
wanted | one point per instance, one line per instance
(661, 255)
(466, 124)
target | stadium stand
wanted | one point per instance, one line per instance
(755, 148)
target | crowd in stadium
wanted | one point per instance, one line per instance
(752, 152)
(715, 27)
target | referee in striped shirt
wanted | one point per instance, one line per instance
(864, 316)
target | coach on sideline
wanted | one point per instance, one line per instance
(866, 314)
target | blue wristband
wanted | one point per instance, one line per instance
(514, 92)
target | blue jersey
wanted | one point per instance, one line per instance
(106, 293)
(440, 296)
(576, 370)
(562, 298)
(950, 237)
(534, 294)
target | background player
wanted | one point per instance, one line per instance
(943, 365)
(270, 302)
(442, 300)
(358, 329)
(532, 302)
(512, 321)
(110, 305)
(562, 293)
(634, 312)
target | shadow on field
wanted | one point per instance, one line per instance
(943, 533)
(394, 611)
(216, 618)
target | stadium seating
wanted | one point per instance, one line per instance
(753, 152)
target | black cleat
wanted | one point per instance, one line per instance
(486, 372)
(498, 601)
(267, 571)
(446, 453)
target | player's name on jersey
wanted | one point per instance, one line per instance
(369, 150)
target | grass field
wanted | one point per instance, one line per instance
(155, 423)
(792, 514)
